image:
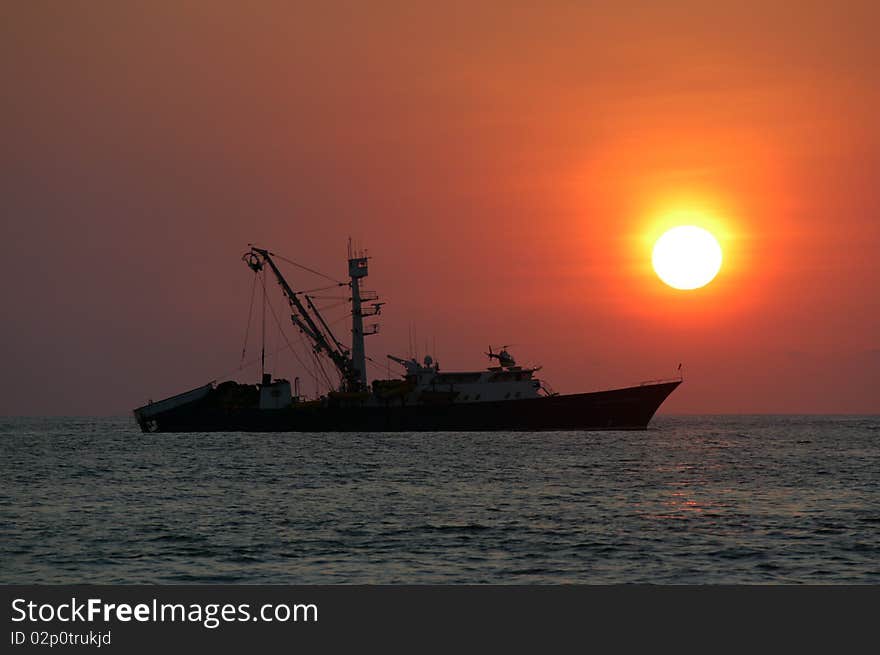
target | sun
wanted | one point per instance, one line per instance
(686, 257)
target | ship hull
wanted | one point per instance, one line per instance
(630, 408)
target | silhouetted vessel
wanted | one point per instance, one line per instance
(502, 397)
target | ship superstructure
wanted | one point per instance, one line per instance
(426, 382)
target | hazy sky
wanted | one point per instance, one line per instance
(507, 165)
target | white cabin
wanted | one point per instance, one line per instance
(506, 382)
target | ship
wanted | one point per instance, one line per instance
(504, 396)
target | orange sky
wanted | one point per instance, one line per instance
(507, 165)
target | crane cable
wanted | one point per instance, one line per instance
(332, 286)
(284, 334)
(247, 328)
(318, 361)
(310, 270)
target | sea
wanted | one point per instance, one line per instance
(691, 500)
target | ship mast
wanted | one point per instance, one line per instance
(358, 269)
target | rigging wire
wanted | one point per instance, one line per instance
(381, 367)
(283, 334)
(247, 328)
(339, 320)
(323, 371)
(312, 370)
(295, 354)
(306, 268)
(332, 286)
(333, 305)
(369, 359)
(242, 365)
(338, 283)
(265, 298)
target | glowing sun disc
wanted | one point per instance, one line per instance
(686, 257)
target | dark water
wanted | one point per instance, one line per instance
(692, 500)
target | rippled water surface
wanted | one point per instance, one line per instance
(692, 500)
